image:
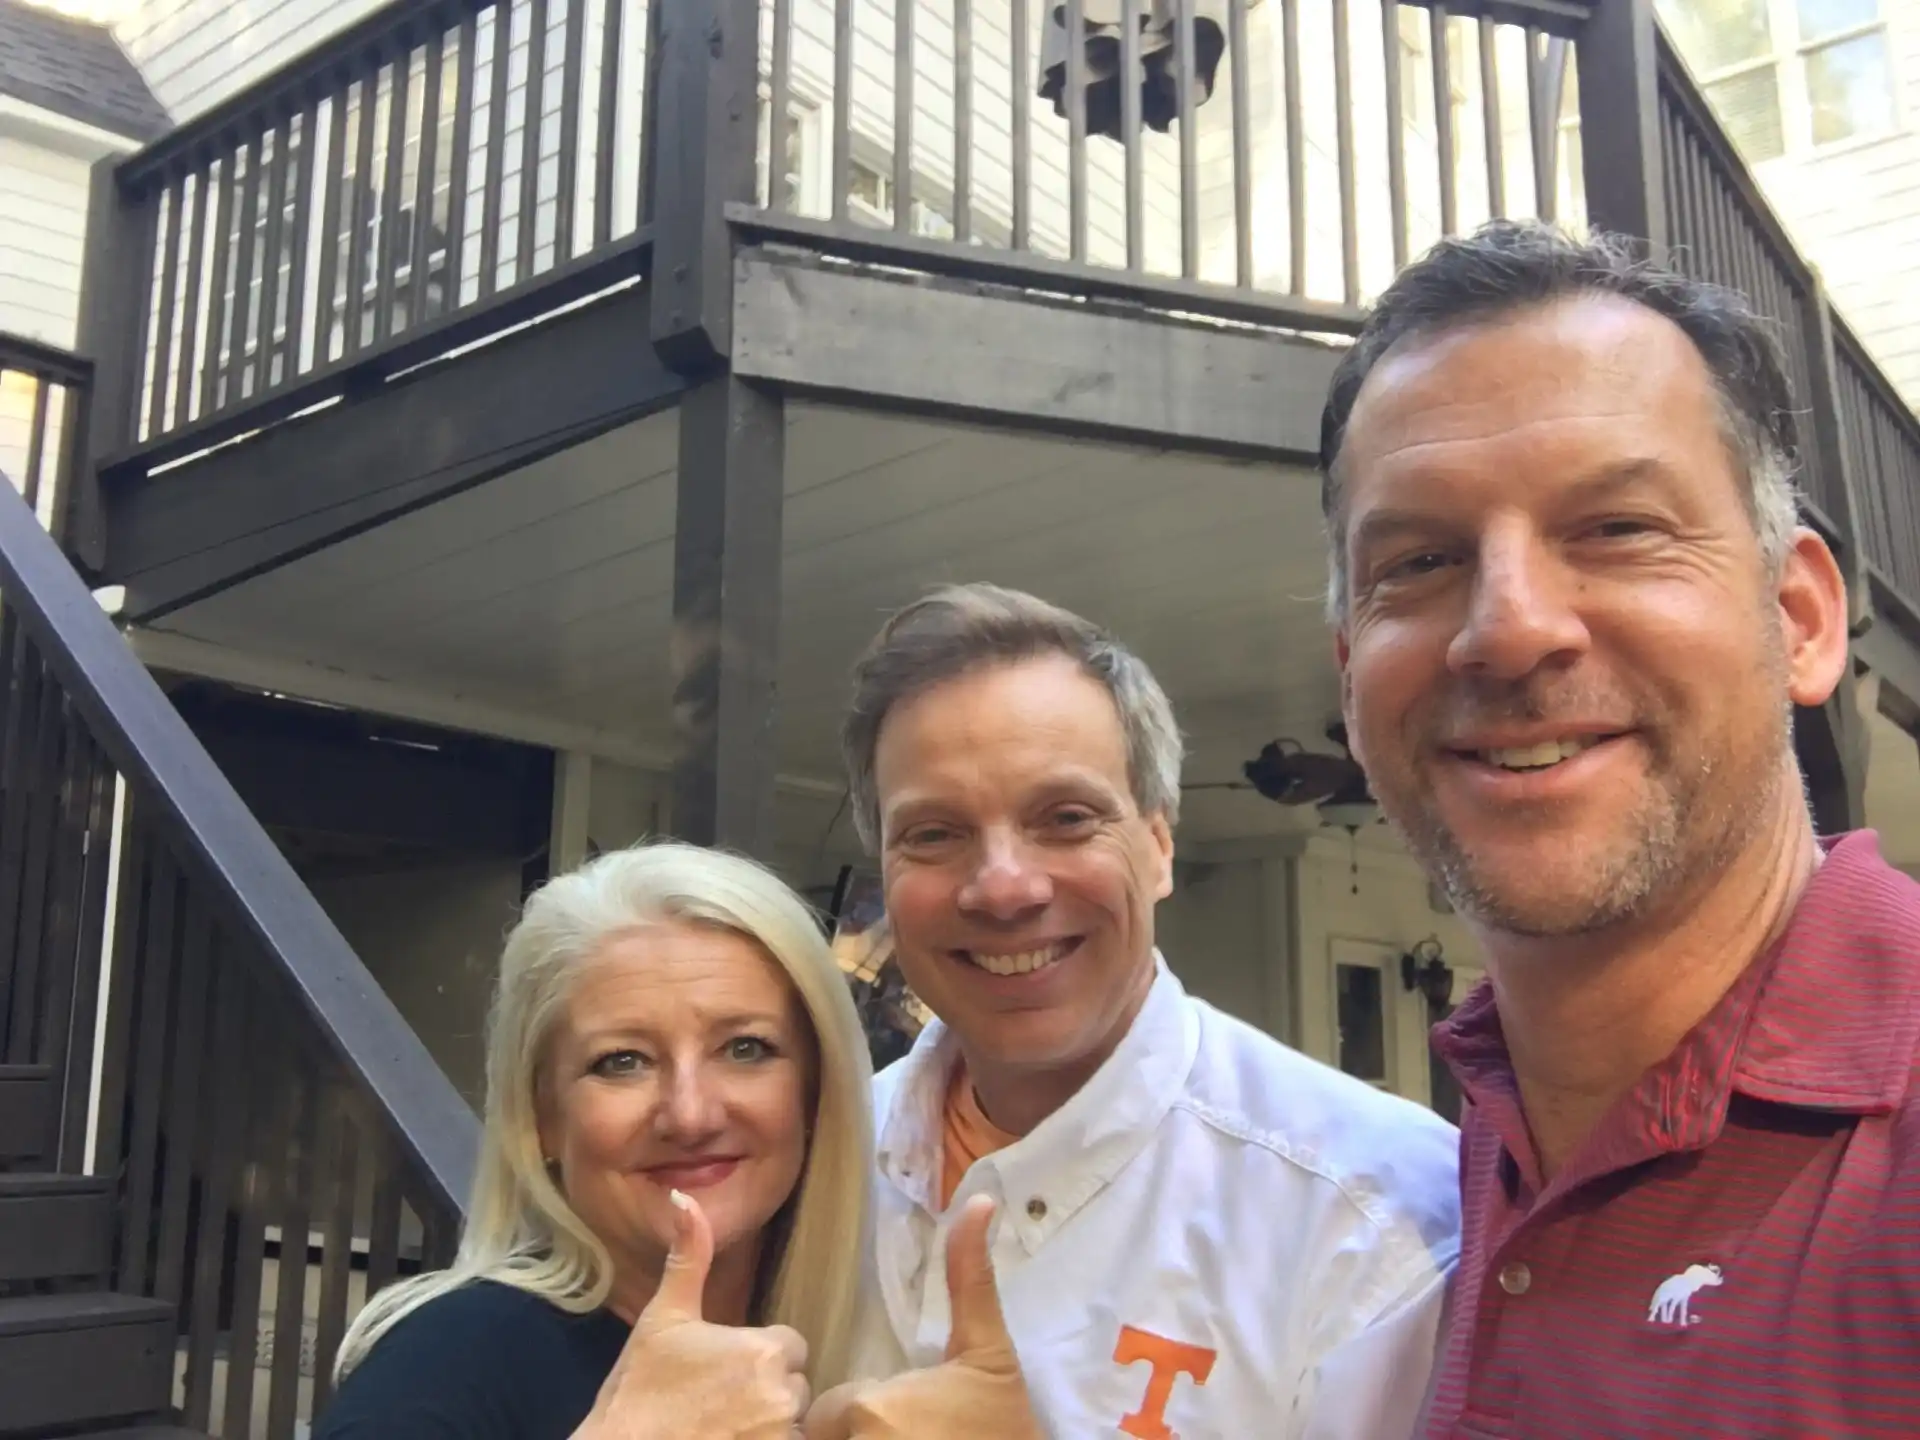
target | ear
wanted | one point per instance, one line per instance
(1162, 834)
(1813, 619)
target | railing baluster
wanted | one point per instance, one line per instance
(1241, 80)
(55, 917)
(1022, 127)
(187, 1099)
(383, 1244)
(1396, 131)
(1296, 148)
(1187, 77)
(1130, 131)
(608, 115)
(1490, 116)
(338, 1150)
(363, 260)
(89, 946)
(155, 971)
(304, 159)
(218, 282)
(532, 126)
(185, 407)
(123, 977)
(268, 312)
(903, 116)
(566, 200)
(962, 119)
(843, 35)
(233, 374)
(259, 1141)
(387, 255)
(1443, 121)
(36, 441)
(330, 233)
(146, 240)
(459, 171)
(1542, 127)
(1343, 144)
(24, 851)
(493, 200)
(1076, 129)
(226, 1122)
(296, 1182)
(157, 411)
(425, 181)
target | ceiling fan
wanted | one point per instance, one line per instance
(1288, 773)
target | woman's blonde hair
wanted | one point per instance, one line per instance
(520, 1230)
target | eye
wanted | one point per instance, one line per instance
(617, 1063)
(1619, 528)
(749, 1049)
(1411, 567)
(1072, 817)
(928, 837)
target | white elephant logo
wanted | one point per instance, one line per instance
(1673, 1301)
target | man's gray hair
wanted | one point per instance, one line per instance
(961, 628)
(1509, 266)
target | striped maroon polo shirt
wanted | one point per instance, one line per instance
(1735, 1251)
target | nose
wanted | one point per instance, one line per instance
(1522, 612)
(690, 1108)
(1006, 883)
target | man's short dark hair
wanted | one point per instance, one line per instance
(1508, 266)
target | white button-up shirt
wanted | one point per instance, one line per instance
(1217, 1237)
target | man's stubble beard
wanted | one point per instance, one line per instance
(1690, 823)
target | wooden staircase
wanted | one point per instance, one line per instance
(217, 1135)
(75, 1357)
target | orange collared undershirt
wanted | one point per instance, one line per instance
(967, 1134)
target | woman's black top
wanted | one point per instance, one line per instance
(486, 1362)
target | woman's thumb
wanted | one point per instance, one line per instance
(683, 1280)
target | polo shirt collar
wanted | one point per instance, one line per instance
(1826, 1019)
(1072, 1154)
(1837, 1022)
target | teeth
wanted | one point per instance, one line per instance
(1020, 964)
(1538, 757)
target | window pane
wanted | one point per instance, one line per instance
(1714, 34)
(1749, 106)
(1850, 89)
(1363, 1021)
(1820, 18)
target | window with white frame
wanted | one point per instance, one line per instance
(1789, 76)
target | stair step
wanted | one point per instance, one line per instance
(68, 1360)
(27, 1105)
(146, 1432)
(55, 1226)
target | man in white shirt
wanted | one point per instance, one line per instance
(1200, 1232)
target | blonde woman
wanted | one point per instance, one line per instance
(670, 1215)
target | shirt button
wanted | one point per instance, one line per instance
(1516, 1279)
(1036, 1209)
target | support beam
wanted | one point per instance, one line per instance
(1618, 56)
(1830, 743)
(984, 353)
(572, 807)
(704, 91)
(726, 614)
(187, 533)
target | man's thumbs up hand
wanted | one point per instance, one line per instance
(979, 1391)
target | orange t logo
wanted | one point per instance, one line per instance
(1170, 1360)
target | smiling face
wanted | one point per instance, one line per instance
(1020, 874)
(1568, 669)
(683, 1060)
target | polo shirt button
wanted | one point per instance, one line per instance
(1036, 1209)
(1516, 1279)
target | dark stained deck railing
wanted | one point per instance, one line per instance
(439, 171)
(216, 1048)
(43, 395)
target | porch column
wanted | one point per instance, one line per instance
(1618, 59)
(724, 646)
(1830, 743)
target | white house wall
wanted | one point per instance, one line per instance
(1855, 210)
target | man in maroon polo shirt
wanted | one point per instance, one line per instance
(1574, 612)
